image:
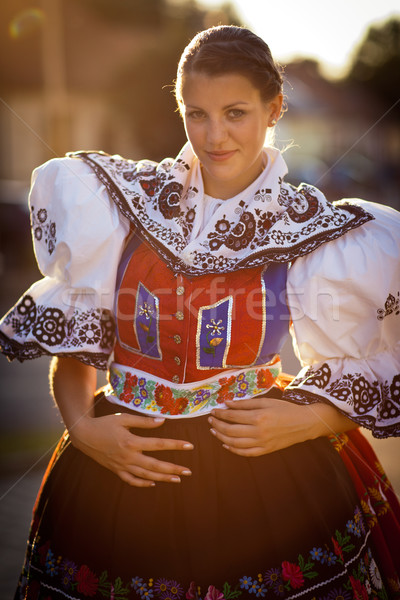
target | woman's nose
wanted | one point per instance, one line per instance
(216, 132)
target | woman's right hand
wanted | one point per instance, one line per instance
(109, 441)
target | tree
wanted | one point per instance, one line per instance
(376, 64)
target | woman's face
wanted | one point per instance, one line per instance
(226, 123)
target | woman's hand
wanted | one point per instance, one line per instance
(109, 441)
(261, 425)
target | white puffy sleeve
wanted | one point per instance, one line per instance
(344, 303)
(78, 237)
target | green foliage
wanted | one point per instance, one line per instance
(376, 64)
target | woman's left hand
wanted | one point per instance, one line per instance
(261, 425)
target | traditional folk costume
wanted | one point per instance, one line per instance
(187, 301)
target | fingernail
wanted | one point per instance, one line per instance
(186, 472)
(158, 419)
(225, 446)
(210, 420)
(175, 479)
(188, 446)
(213, 431)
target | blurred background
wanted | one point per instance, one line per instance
(98, 75)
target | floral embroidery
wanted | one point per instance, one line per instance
(149, 394)
(151, 195)
(43, 228)
(347, 561)
(372, 402)
(392, 305)
(34, 330)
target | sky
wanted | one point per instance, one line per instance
(327, 31)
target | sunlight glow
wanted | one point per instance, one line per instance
(328, 32)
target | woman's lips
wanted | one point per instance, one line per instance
(221, 155)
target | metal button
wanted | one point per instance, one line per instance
(179, 315)
(177, 339)
(175, 378)
(177, 360)
(180, 290)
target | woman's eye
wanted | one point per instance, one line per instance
(236, 113)
(195, 114)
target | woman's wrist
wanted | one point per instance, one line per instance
(327, 420)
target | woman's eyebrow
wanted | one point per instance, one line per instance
(231, 105)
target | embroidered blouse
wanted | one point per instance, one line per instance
(341, 291)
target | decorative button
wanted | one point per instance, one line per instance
(175, 378)
(179, 315)
(180, 290)
(177, 360)
(177, 339)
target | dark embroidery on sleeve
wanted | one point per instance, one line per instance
(43, 228)
(53, 332)
(392, 305)
(374, 403)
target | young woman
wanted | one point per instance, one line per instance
(196, 473)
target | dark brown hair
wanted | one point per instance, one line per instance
(231, 49)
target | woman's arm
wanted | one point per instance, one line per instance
(109, 440)
(262, 425)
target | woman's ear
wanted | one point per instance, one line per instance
(275, 109)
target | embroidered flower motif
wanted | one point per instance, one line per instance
(243, 385)
(365, 395)
(375, 575)
(201, 396)
(243, 233)
(214, 594)
(359, 590)
(265, 379)
(337, 549)
(51, 564)
(192, 594)
(146, 310)
(89, 333)
(246, 582)
(261, 590)
(272, 576)
(131, 380)
(392, 305)
(225, 393)
(87, 581)
(316, 553)
(293, 574)
(222, 226)
(50, 327)
(162, 394)
(216, 328)
(136, 582)
(169, 200)
(42, 215)
(68, 571)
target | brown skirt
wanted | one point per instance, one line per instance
(289, 524)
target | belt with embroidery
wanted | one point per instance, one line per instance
(147, 393)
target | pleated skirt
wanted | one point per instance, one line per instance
(289, 524)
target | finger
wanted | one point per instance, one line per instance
(251, 403)
(144, 422)
(130, 479)
(161, 467)
(232, 429)
(150, 444)
(242, 417)
(240, 442)
(254, 451)
(147, 474)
